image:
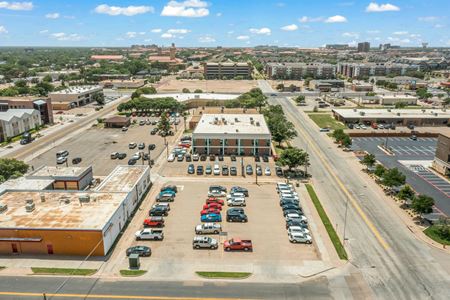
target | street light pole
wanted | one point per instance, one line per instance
(345, 223)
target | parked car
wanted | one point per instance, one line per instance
(208, 170)
(267, 171)
(195, 157)
(217, 188)
(216, 170)
(212, 205)
(61, 160)
(296, 223)
(413, 137)
(211, 210)
(296, 217)
(180, 157)
(289, 201)
(238, 189)
(191, 169)
(220, 157)
(214, 200)
(236, 202)
(300, 229)
(165, 206)
(124, 128)
(233, 157)
(249, 170)
(297, 237)
(235, 194)
(141, 122)
(233, 171)
(216, 193)
(291, 205)
(141, 146)
(121, 155)
(62, 153)
(211, 218)
(158, 211)
(154, 222)
(139, 250)
(114, 155)
(208, 228)
(278, 171)
(199, 170)
(153, 131)
(292, 211)
(76, 160)
(164, 197)
(235, 244)
(212, 157)
(188, 157)
(132, 145)
(203, 157)
(225, 170)
(171, 157)
(172, 188)
(325, 129)
(151, 147)
(259, 171)
(200, 242)
(149, 234)
(257, 159)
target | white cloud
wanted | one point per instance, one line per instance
(243, 37)
(291, 27)
(399, 40)
(400, 32)
(336, 19)
(133, 34)
(16, 5)
(219, 14)
(52, 15)
(156, 30)
(373, 31)
(188, 9)
(126, 11)
(206, 39)
(167, 35)
(262, 31)
(375, 7)
(353, 35)
(3, 30)
(62, 36)
(429, 19)
(438, 26)
(306, 19)
(178, 31)
(43, 31)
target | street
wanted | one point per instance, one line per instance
(392, 261)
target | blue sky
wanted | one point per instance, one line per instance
(303, 23)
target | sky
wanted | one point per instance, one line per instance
(239, 23)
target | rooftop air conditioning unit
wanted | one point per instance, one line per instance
(435, 114)
(354, 109)
(42, 198)
(3, 207)
(362, 113)
(257, 123)
(398, 114)
(29, 206)
(84, 198)
(236, 120)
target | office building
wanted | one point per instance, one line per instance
(41, 104)
(300, 71)
(15, 122)
(441, 162)
(364, 47)
(326, 85)
(227, 70)
(226, 134)
(74, 96)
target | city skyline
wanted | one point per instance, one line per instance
(224, 23)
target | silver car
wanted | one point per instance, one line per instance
(204, 242)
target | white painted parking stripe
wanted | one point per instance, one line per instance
(420, 149)
(412, 150)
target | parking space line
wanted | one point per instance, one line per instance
(412, 150)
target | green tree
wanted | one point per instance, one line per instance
(281, 129)
(399, 105)
(443, 228)
(99, 98)
(47, 78)
(422, 204)
(338, 135)
(406, 193)
(198, 91)
(446, 101)
(12, 168)
(393, 177)
(379, 170)
(293, 158)
(185, 90)
(280, 87)
(164, 124)
(300, 100)
(142, 91)
(369, 160)
(346, 141)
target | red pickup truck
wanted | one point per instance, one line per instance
(238, 244)
(154, 222)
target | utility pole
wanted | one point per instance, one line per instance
(345, 223)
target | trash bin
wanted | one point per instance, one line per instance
(133, 261)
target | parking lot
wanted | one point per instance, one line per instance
(265, 227)
(95, 145)
(413, 159)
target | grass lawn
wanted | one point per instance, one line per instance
(329, 227)
(326, 120)
(231, 275)
(64, 271)
(432, 233)
(132, 272)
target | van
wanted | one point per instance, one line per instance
(216, 169)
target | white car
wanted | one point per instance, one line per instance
(208, 228)
(267, 171)
(216, 170)
(195, 157)
(288, 194)
(136, 156)
(216, 193)
(132, 145)
(297, 237)
(296, 217)
(236, 202)
(61, 160)
(171, 157)
(149, 234)
(235, 195)
(292, 229)
(363, 127)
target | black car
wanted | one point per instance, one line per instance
(217, 188)
(413, 137)
(225, 170)
(158, 211)
(141, 146)
(203, 157)
(233, 171)
(140, 250)
(291, 205)
(188, 157)
(121, 155)
(288, 201)
(279, 171)
(212, 157)
(233, 157)
(154, 131)
(350, 126)
(236, 215)
(257, 159)
(191, 169)
(151, 147)
(265, 158)
(292, 211)
(238, 189)
(131, 162)
(199, 170)
(76, 160)
(235, 210)
(220, 157)
(296, 223)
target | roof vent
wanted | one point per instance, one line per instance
(236, 120)
(237, 130)
(42, 198)
(362, 113)
(3, 207)
(29, 206)
(257, 123)
(84, 198)
(354, 109)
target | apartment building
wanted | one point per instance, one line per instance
(364, 47)
(14, 122)
(300, 70)
(227, 70)
(226, 134)
(43, 105)
(365, 70)
(74, 96)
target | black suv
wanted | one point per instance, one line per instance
(158, 211)
(236, 215)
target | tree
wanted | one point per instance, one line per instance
(443, 228)
(338, 135)
(143, 90)
(369, 160)
(185, 90)
(47, 78)
(346, 141)
(198, 91)
(446, 101)
(300, 100)
(294, 157)
(280, 87)
(164, 124)
(422, 204)
(281, 129)
(379, 170)
(393, 177)
(400, 105)
(10, 167)
(406, 193)
(99, 98)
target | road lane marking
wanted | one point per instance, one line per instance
(97, 296)
(350, 197)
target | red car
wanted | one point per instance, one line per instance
(214, 200)
(154, 222)
(238, 244)
(212, 205)
(210, 211)
(184, 145)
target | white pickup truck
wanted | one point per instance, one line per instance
(149, 234)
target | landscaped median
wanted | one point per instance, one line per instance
(326, 222)
(132, 273)
(63, 271)
(224, 275)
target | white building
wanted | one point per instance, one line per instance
(14, 122)
(394, 99)
(74, 96)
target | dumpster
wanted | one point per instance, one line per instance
(133, 261)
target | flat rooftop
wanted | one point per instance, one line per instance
(236, 124)
(181, 97)
(60, 171)
(77, 90)
(60, 210)
(23, 183)
(122, 179)
(394, 113)
(397, 96)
